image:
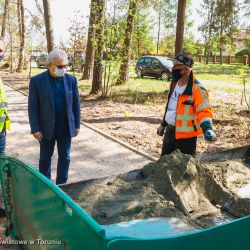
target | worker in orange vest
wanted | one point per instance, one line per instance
(188, 111)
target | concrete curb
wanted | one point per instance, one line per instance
(20, 91)
(106, 135)
(124, 144)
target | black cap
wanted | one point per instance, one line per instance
(183, 58)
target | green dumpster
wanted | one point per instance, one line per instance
(41, 216)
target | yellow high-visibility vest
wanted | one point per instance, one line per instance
(4, 118)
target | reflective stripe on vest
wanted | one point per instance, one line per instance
(184, 119)
(205, 104)
(2, 119)
(3, 105)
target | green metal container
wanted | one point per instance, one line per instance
(41, 216)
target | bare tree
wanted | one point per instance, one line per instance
(180, 26)
(48, 25)
(88, 67)
(99, 41)
(11, 42)
(20, 14)
(39, 7)
(207, 28)
(5, 13)
(159, 28)
(123, 72)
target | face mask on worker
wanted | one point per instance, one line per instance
(176, 75)
(60, 72)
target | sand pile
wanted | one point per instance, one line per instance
(196, 187)
(177, 185)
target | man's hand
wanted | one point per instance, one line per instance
(38, 136)
(160, 130)
(210, 135)
(77, 131)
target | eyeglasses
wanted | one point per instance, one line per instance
(62, 66)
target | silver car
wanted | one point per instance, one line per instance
(41, 61)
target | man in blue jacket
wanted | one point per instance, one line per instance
(54, 113)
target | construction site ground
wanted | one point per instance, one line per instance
(95, 155)
(136, 124)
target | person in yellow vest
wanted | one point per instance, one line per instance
(4, 118)
(188, 112)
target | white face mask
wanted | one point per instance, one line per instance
(60, 72)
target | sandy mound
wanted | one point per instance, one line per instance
(177, 185)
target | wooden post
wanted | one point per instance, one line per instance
(229, 59)
(245, 59)
(200, 58)
(214, 59)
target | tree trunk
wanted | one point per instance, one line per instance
(5, 12)
(180, 26)
(48, 25)
(159, 29)
(88, 67)
(138, 34)
(210, 21)
(207, 51)
(221, 40)
(99, 40)
(20, 13)
(11, 43)
(124, 68)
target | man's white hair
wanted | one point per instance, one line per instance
(57, 54)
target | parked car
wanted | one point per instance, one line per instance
(35, 53)
(155, 66)
(41, 61)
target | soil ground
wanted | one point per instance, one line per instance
(136, 124)
(176, 186)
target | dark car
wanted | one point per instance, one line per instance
(155, 66)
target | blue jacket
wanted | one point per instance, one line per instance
(41, 105)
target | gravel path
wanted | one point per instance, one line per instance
(93, 155)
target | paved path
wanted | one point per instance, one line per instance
(92, 154)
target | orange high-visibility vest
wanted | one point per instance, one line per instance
(193, 108)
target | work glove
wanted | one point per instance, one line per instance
(209, 135)
(208, 132)
(160, 130)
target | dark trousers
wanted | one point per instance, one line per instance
(46, 153)
(170, 144)
(2, 152)
(2, 144)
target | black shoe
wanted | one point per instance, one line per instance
(2, 212)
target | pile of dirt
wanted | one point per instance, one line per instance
(176, 186)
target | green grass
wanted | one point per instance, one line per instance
(225, 72)
(227, 78)
(147, 91)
